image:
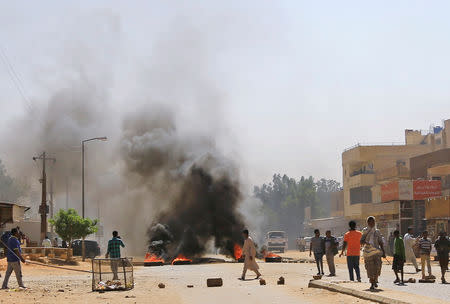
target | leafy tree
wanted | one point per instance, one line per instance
(69, 225)
(285, 199)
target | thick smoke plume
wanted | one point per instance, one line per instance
(199, 188)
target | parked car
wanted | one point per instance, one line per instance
(277, 240)
(91, 247)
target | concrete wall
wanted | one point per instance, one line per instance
(420, 164)
(437, 208)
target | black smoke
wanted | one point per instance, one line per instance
(197, 189)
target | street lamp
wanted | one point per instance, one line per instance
(82, 169)
(83, 248)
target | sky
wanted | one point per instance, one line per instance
(299, 81)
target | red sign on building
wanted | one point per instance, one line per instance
(423, 189)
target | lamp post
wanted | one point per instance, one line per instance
(82, 183)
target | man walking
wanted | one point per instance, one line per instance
(330, 251)
(372, 240)
(318, 247)
(249, 253)
(14, 257)
(442, 246)
(399, 257)
(425, 251)
(410, 241)
(352, 243)
(113, 252)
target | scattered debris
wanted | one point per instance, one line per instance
(280, 281)
(214, 282)
(190, 286)
(411, 280)
(262, 282)
(317, 277)
(161, 285)
(60, 290)
(130, 297)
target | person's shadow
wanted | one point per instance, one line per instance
(373, 290)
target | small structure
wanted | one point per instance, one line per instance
(103, 276)
(11, 212)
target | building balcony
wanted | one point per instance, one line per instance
(396, 172)
(362, 179)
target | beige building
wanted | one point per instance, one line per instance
(366, 168)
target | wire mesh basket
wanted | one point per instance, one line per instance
(112, 274)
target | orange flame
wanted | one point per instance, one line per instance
(237, 251)
(152, 258)
(271, 255)
(181, 258)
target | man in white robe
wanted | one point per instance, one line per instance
(409, 243)
(249, 253)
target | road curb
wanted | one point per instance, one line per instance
(353, 292)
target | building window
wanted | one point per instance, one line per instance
(360, 195)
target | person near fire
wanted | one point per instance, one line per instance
(113, 252)
(317, 246)
(352, 243)
(425, 252)
(442, 246)
(13, 258)
(249, 254)
(373, 251)
(410, 242)
(399, 257)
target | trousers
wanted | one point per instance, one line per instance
(13, 266)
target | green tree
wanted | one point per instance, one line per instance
(69, 225)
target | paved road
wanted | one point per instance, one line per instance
(436, 290)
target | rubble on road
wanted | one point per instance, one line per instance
(214, 282)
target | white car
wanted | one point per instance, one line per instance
(277, 241)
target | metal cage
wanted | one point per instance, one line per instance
(112, 274)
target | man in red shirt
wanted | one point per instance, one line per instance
(352, 243)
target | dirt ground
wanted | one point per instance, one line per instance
(48, 285)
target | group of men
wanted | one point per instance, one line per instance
(403, 251)
(14, 256)
(371, 242)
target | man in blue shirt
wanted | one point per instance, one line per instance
(14, 257)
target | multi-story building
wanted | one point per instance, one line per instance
(371, 172)
(435, 166)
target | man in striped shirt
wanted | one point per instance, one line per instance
(425, 250)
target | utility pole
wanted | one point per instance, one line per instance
(43, 208)
(52, 206)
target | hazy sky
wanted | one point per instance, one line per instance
(301, 80)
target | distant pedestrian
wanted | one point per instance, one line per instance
(14, 257)
(373, 251)
(113, 252)
(399, 257)
(410, 242)
(318, 247)
(352, 243)
(55, 243)
(330, 251)
(425, 251)
(249, 253)
(46, 242)
(442, 246)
